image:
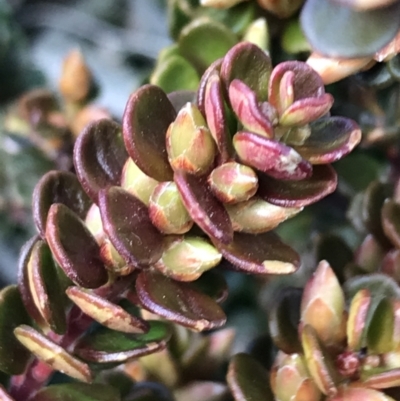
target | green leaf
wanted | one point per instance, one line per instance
(78, 391)
(13, 355)
(248, 380)
(339, 31)
(109, 346)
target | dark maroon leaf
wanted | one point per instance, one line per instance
(74, 248)
(213, 284)
(201, 93)
(240, 60)
(298, 193)
(178, 302)
(391, 221)
(57, 187)
(248, 380)
(203, 207)
(330, 140)
(260, 254)
(99, 156)
(45, 287)
(146, 119)
(284, 318)
(127, 223)
(271, 157)
(108, 346)
(13, 356)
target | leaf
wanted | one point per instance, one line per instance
(78, 391)
(74, 248)
(57, 187)
(51, 353)
(146, 119)
(284, 319)
(248, 380)
(339, 31)
(178, 302)
(330, 139)
(205, 40)
(99, 156)
(391, 221)
(109, 346)
(203, 207)
(259, 254)
(13, 356)
(271, 157)
(105, 312)
(298, 193)
(127, 223)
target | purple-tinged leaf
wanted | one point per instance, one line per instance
(214, 107)
(390, 264)
(74, 248)
(45, 288)
(179, 302)
(105, 312)
(330, 139)
(271, 157)
(13, 356)
(51, 353)
(255, 117)
(147, 116)
(127, 223)
(260, 254)
(23, 282)
(284, 319)
(201, 92)
(381, 380)
(347, 393)
(57, 187)
(240, 60)
(298, 193)
(99, 156)
(4, 396)
(108, 346)
(306, 83)
(391, 221)
(78, 391)
(205, 210)
(248, 380)
(213, 284)
(307, 110)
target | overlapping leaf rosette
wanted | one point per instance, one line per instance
(185, 184)
(340, 343)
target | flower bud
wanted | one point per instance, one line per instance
(76, 78)
(113, 260)
(233, 182)
(190, 145)
(186, 258)
(94, 224)
(136, 182)
(166, 210)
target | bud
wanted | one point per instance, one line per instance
(76, 79)
(113, 260)
(186, 258)
(257, 33)
(233, 182)
(359, 394)
(291, 380)
(136, 182)
(258, 216)
(190, 145)
(322, 306)
(167, 211)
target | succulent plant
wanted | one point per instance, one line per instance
(340, 343)
(188, 183)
